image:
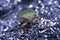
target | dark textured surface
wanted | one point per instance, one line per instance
(46, 25)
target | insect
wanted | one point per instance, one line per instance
(26, 23)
